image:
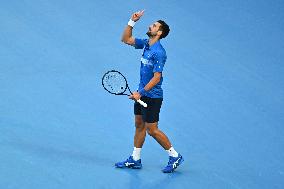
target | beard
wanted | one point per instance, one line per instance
(149, 33)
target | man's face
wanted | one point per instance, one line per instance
(154, 29)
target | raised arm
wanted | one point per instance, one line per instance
(127, 34)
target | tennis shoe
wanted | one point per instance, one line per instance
(129, 163)
(173, 163)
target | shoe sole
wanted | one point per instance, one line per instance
(133, 167)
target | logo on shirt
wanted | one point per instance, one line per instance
(145, 62)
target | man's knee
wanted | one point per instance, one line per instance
(150, 132)
(152, 129)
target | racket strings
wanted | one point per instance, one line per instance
(114, 83)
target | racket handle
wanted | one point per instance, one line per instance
(142, 103)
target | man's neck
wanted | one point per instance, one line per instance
(153, 40)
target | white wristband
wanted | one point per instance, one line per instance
(131, 23)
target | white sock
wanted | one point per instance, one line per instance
(136, 153)
(172, 152)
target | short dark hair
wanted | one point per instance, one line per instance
(164, 28)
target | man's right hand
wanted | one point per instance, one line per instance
(137, 15)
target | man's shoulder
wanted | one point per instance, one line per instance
(141, 40)
(139, 43)
(160, 51)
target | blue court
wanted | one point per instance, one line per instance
(223, 94)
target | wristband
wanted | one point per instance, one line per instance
(131, 23)
(142, 92)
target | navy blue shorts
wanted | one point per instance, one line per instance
(151, 113)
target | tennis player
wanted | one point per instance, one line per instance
(150, 91)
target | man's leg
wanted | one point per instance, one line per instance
(175, 159)
(158, 135)
(140, 132)
(139, 137)
(134, 161)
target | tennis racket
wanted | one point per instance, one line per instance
(115, 83)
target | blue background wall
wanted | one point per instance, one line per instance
(223, 104)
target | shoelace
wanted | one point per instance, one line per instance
(129, 159)
(171, 161)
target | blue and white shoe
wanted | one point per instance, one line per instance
(173, 163)
(129, 163)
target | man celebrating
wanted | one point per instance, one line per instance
(150, 91)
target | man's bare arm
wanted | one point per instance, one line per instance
(127, 34)
(154, 81)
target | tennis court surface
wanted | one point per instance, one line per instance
(223, 94)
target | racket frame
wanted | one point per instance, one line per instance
(127, 87)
